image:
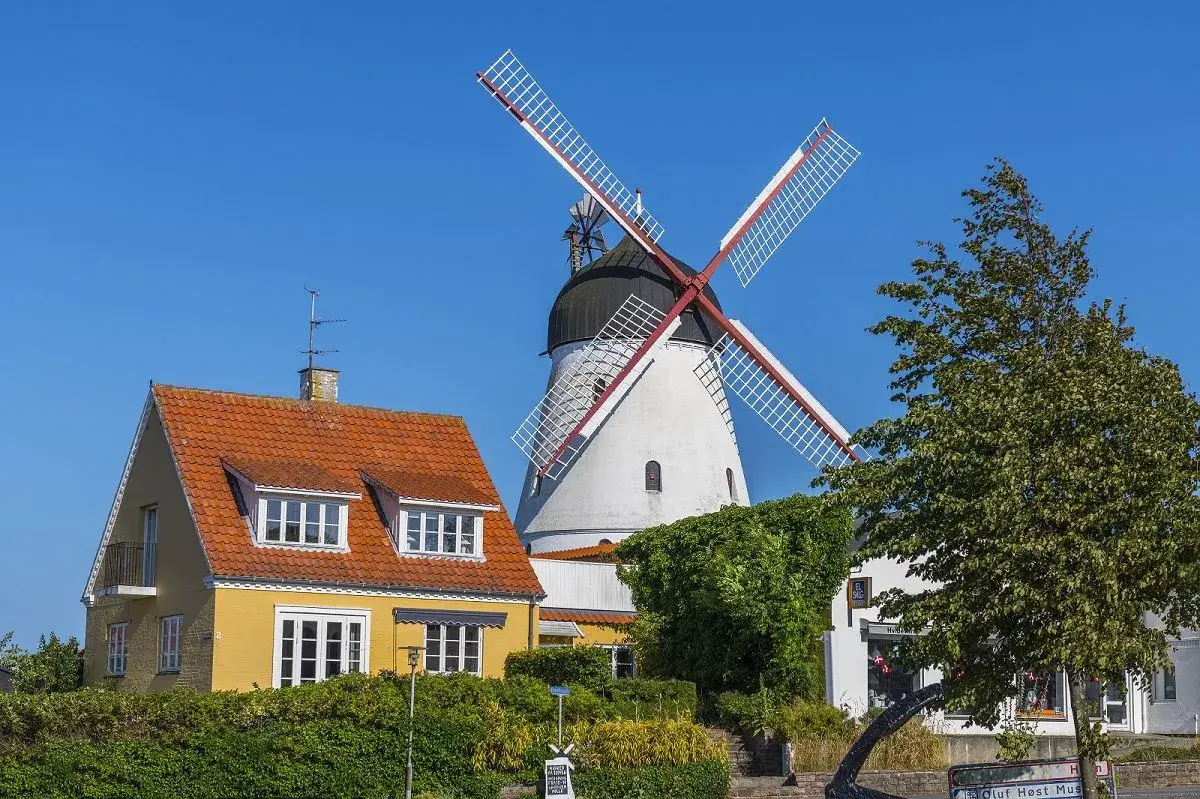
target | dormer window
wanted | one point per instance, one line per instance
(292, 503)
(441, 531)
(311, 522)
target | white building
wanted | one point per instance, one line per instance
(858, 675)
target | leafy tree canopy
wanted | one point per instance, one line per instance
(55, 666)
(738, 598)
(1043, 476)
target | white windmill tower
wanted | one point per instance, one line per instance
(634, 429)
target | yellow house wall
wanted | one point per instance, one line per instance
(180, 572)
(597, 634)
(244, 631)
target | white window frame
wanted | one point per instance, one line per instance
(1160, 686)
(170, 644)
(438, 666)
(612, 657)
(304, 502)
(423, 513)
(149, 545)
(297, 614)
(118, 659)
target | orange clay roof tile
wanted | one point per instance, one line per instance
(338, 442)
(600, 552)
(586, 616)
(407, 484)
(290, 474)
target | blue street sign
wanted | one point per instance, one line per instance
(560, 690)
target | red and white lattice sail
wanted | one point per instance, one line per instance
(575, 407)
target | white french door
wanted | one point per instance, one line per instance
(315, 644)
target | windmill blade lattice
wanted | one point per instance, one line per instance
(818, 163)
(518, 91)
(544, 432)
(812, 431)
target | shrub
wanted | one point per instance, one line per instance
(753, 713)
(588, 666)
(706, 780)
(336, 738)
(623, 744)
(810, 721)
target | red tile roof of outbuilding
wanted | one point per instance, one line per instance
(293, 440)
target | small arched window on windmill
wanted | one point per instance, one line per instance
(729, 482)
(653, 476)
(598, 389)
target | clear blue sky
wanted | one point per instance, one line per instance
(171, 179)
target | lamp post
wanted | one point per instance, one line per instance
(414, 657)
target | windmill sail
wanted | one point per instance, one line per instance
(803, 180)
(791, 411)
(579, 401)
(518, 91)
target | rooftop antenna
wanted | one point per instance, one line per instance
(313, 324)
(584, 234)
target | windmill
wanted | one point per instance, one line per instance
(584, 233)
(580, 400)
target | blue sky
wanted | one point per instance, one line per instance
(171, 178)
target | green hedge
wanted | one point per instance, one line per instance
(344, 737)
(588, 666)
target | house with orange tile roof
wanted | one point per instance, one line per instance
(266, 541)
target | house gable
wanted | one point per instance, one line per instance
(151, 479)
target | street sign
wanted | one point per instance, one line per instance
(1027, 779)
(560, 690)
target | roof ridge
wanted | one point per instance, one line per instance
(297, 401)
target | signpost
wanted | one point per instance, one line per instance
(560, 691)
(1026, 779)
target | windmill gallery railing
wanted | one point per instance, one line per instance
(128, 564)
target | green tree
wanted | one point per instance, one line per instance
(738, 598)
(1043, 476)
(55, 666)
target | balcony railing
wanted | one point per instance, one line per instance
(129, 569)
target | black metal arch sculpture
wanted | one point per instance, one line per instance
(844, 784)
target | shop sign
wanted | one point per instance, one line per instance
(858, 593)
(1028, 779)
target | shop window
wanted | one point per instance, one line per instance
(1043, 696)
(1105, 701)
(653, 476)
(887, 683)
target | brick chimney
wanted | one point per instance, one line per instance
(319, 384)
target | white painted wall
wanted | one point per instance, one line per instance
(846, 669)
(582, 586)
(667, 416)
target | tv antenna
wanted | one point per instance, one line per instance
(584, 234)
(313, 324)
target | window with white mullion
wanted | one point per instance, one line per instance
(314, 646)
(118, 648)
(451, 648)
(441, 532)
(302, 522)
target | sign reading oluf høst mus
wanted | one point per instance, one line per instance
(1026, 779)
